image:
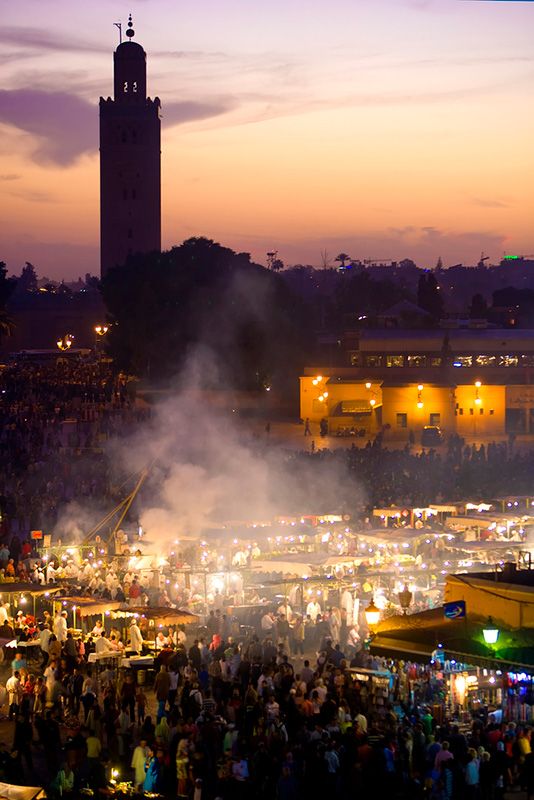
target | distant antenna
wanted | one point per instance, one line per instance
(119, 26)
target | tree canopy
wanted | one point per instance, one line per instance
(7, 286)
(428, 295)
(202, 295)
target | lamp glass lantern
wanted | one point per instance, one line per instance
(405, 598)
(490, 632)
(372, 614)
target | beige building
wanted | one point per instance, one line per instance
(476, 383)
(506, 597)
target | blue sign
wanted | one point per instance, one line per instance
(454, 610)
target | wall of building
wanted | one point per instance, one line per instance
(344, 404)
(520, 409)
(503, 407)
(408, 408)
(486, 418)
(509, 605)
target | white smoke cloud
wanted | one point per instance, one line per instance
(206, 467)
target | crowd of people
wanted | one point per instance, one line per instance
(54, 418)
(277, 712)
(416, 478)
(226, 718)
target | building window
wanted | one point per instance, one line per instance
(480, 410)
(373, 361)
(355, 359)
(434, 419)
(471, 412)
(435, 361)
(394, 361)
(134, 87)
(527, 361)
(125, 87)
(492, 412)
(461, 412)
(402, 420)
(416, 361)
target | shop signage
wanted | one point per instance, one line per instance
(455, 610)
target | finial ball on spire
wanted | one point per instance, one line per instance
(130, 32)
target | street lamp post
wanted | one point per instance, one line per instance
(65, 342)
(100, 332)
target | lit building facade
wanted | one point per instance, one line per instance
(476, 383)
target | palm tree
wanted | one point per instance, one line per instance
(342, 257)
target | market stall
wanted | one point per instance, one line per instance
(28, 597)
(82, 608)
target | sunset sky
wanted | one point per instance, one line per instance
(384, 128)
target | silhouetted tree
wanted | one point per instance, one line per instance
(407, 263)
(27, 282)
(202, 295)
(342, 258)
(7, 286)
(428, 295)
(91, 281)
(359, 293)
(325, 258)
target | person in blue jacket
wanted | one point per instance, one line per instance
(152, 776)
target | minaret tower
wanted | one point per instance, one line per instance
(130, 161)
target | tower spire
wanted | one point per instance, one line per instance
(130, 33)
(130, 169)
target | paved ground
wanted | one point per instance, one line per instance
(291, 435)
